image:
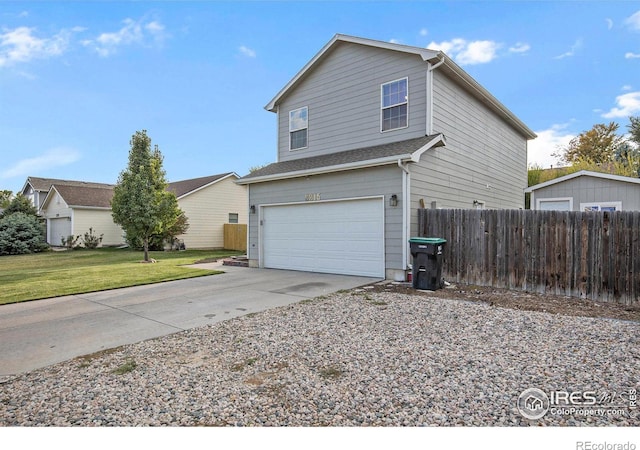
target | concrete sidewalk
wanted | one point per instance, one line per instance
(43, 332)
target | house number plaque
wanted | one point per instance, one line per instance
(311, 197)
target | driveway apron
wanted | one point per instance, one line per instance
(44, 332)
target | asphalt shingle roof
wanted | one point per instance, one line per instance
(97, 197)
(180, 188)
(43, 184)
(345, 157)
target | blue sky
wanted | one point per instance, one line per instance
(77, 79)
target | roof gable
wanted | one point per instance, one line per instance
(98, 196)
(186, 187)
(583, 173)
(438, 58)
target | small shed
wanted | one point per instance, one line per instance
(587, 191)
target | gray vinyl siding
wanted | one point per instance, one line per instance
(485, 159)
(377, 181)
(343, 97)
(586, 189)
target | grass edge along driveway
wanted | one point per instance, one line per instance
(53, 274)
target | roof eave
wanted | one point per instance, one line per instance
(329, 169)
(230, 174)
(424, 53)
(488, 98)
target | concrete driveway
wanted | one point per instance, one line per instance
(40, 333)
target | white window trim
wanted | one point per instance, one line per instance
(298, 129)
(555, 199)
(618, 205)
(382, 107)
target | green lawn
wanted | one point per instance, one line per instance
(52, 274)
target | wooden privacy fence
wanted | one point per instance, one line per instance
(593, 255)
(235, 236)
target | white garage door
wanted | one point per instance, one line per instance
(343, 237)
(57, 229)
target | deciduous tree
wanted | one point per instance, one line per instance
(141, 204)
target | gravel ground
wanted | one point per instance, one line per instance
(367, 357)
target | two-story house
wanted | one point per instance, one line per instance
(368, 132)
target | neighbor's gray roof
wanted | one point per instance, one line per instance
(43, 184)
(87, 196)
(342, 158)
(180, 188)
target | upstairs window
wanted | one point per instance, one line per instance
(233, 217)
(298, 128)
(395, 98)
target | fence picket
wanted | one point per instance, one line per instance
(591, 255)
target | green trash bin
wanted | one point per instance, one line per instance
(427, 262)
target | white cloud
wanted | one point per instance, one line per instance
(424, 32)
(633, 21)
(395, 41)
(520, 47)
(626, 87)
(609, 23)
(630, 55)
(468, 53)
(575, 47)
(548, 141)
(133, 32)
(20, 45)
(627, 105)
(55, 157)
(246, 51)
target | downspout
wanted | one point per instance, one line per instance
(406, 218)
(429, 90)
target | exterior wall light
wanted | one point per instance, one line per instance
(252, 208)
(393, 200)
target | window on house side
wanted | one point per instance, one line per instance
(298, 128)
(395, 99)
(233, 218)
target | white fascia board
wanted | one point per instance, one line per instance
(97, 208)
(329, 169)
(439, 141)
(207, 185)
(46, 199)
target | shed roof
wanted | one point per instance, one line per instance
(583, 173)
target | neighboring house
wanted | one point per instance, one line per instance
(36, 188)
(587, 191)
(209, 203)
(368, 132)
(74, 207)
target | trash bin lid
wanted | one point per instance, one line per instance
(431, 240)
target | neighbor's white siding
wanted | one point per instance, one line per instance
(102, 223)
(208, 209)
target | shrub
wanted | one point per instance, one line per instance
(70, 241)
(20, 233)
(90, 240)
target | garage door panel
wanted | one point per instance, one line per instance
(334, 237)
